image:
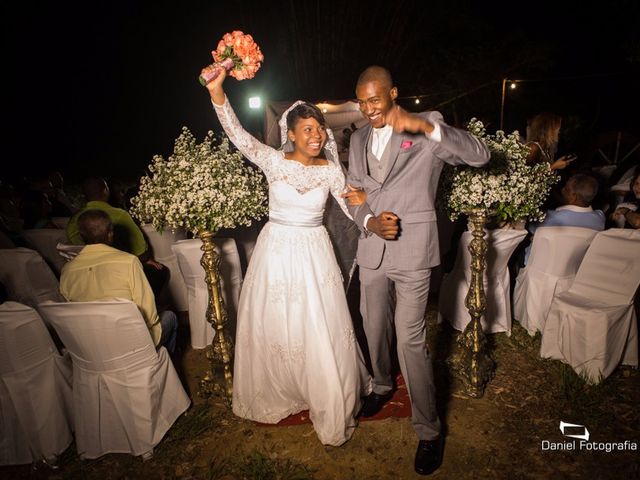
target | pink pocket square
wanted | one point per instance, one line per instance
(406, 144)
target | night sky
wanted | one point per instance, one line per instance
(100, 87)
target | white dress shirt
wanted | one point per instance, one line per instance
(380, 139)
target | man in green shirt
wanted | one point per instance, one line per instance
(127, 236)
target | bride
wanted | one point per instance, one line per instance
(295, 344)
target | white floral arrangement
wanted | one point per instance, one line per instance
(506, 186)
(201, 187)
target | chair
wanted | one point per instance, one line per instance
(556, 253)
(455, 285)
(36, 419)
(126, 395)
(27, 277)
(68, 251)
(593, 326)
(189, 255)
(161, 245)
(44, 241)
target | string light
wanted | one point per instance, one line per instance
(417, 101)
(323, 106)
(512, 86)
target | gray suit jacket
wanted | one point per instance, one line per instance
(409, 191)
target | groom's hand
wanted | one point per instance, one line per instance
(384, 225)
(403, 121)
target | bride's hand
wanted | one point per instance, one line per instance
(355, 196)
(215, 85)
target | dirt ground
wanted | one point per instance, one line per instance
(497, 436)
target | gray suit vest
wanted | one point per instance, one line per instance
(378, 168)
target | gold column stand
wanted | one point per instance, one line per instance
(471, 362)
(220, 352)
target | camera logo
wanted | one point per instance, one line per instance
(573, 427)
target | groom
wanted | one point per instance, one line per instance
(397, 160)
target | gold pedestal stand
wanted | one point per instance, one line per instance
(220, 352)
(471, 362)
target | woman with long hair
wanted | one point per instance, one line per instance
(543, 132)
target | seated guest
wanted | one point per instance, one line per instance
(577, 195)
(627, 214)
(100, 272)
(62, 204)
(35, 210)
(127, 235)
(117, 193)
(543, 132)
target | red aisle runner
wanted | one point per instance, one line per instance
(399, 406)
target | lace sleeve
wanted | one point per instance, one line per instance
(337, 187)
(258, 153)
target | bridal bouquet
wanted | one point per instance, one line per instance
(507, 185)
(201, 187)
(238, 53)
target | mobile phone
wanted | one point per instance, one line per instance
(571, 157)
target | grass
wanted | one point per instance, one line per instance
(259, 466)
(570, 392)
(192, 424)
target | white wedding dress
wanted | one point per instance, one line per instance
(295, 344)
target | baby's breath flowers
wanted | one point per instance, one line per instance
(200, 187)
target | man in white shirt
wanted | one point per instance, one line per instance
(577, 195)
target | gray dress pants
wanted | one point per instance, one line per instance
(376, 306)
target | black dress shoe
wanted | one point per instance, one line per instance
(373, 403)
(429, 455)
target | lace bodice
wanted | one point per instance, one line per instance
(278, 170)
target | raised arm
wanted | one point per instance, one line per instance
(457, 146)
(258, 153)
(451, 145)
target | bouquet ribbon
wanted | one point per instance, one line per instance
(211, 75)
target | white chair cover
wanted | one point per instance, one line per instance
(161, 245)
(556, 253)
(35, 389)
(125, 394)
(189, 255)
(593, 325)
(44, 241)
(455, 285)
(68, 251)
(27, 277)
(60, 222)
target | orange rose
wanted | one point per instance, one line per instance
(227, 39)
